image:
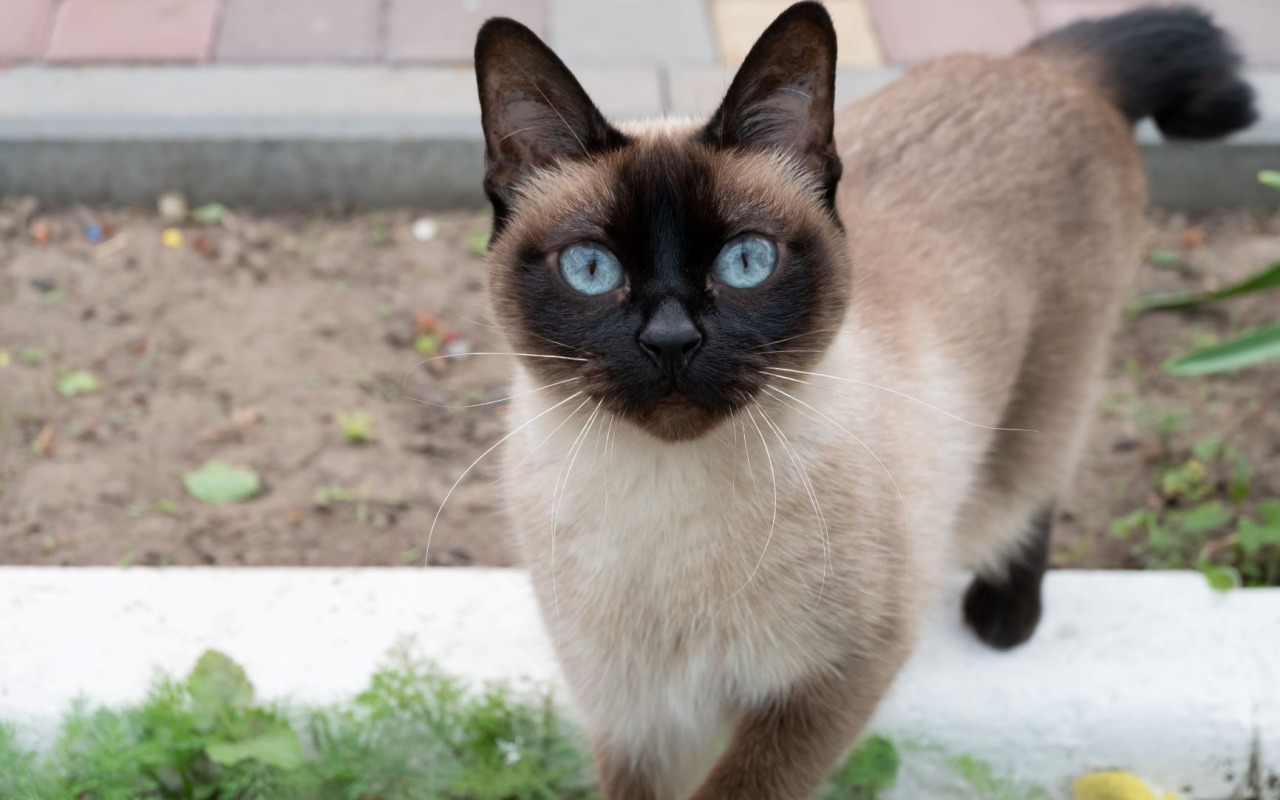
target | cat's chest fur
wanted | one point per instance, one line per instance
(665, 568)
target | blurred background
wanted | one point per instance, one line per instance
(657, 33)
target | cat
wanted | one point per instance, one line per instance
(781, 371)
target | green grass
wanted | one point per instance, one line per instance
(1204, 512)
(413, 734)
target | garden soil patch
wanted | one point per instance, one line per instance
(252, 340)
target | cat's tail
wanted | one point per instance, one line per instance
(1171, 64)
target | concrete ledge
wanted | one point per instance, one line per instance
(378, 136)
(1149, 672)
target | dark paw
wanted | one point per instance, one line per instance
(1003, 615)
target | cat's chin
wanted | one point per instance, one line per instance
(675, 419)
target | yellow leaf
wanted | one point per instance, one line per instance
(171, 238)
(1112, 786)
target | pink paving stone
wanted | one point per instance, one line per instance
(25, 29)
(299, 30)
(445, 30)
(918, 30)
(1050, 14)
(133, 30)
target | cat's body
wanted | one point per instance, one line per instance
(764, 574)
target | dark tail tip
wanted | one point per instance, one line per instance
(1171, 64)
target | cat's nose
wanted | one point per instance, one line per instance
(670, 338)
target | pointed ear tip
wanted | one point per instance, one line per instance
(810, 11)
(496, 29)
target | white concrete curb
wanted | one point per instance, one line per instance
(1149, 672)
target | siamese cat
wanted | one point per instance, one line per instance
(782, 370)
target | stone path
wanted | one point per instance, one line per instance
(633, 33)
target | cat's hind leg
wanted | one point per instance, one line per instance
(1004, 609)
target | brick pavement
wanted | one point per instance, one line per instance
(589, 33)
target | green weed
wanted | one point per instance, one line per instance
(1201, 517)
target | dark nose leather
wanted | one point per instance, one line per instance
(670, 338)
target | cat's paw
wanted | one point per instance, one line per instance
(1002, 615)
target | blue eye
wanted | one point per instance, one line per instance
(590, 268)
(746, 261)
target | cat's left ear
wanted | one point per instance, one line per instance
(534, 112)
(784, 94)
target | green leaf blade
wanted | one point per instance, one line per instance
(1221, 578)
(1248, 350)
(218, 685)
(1268, 278)
(274, 743)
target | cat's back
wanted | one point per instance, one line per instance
(979, 144)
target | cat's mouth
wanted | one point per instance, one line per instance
(676, 417)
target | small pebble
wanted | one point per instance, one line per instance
(172, 207)
(427, 323)
(41, 232)
(457, 347)
(424, 229)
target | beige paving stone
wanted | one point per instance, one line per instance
(738, 23)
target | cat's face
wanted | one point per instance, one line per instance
(663, 271)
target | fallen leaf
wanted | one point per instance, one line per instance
(41, 232)
(204, 246)
(43, 445)
(171, 238)
(110, 247)
(246, 417)
(1115, 786)
(427, 344)
(427, 323)
(209, 213)
(1193, 238)
(220, 482)
(78, 382)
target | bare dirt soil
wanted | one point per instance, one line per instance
(248, 339)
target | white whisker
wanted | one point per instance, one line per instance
(797, 336)
(824, 534)
(772, 524)
(833, 391)
(902, 504)
(528, 455)
(776, 391)
(907, 396)
(467, 471)
(409, 371)
(571, 458)
(499, 400)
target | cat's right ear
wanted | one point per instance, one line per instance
(534, 112)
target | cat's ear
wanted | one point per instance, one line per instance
(534, 112)
(784, 94)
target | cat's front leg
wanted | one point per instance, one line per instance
(784, 748)
(664, 764)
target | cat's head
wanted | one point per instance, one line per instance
(663, 269)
